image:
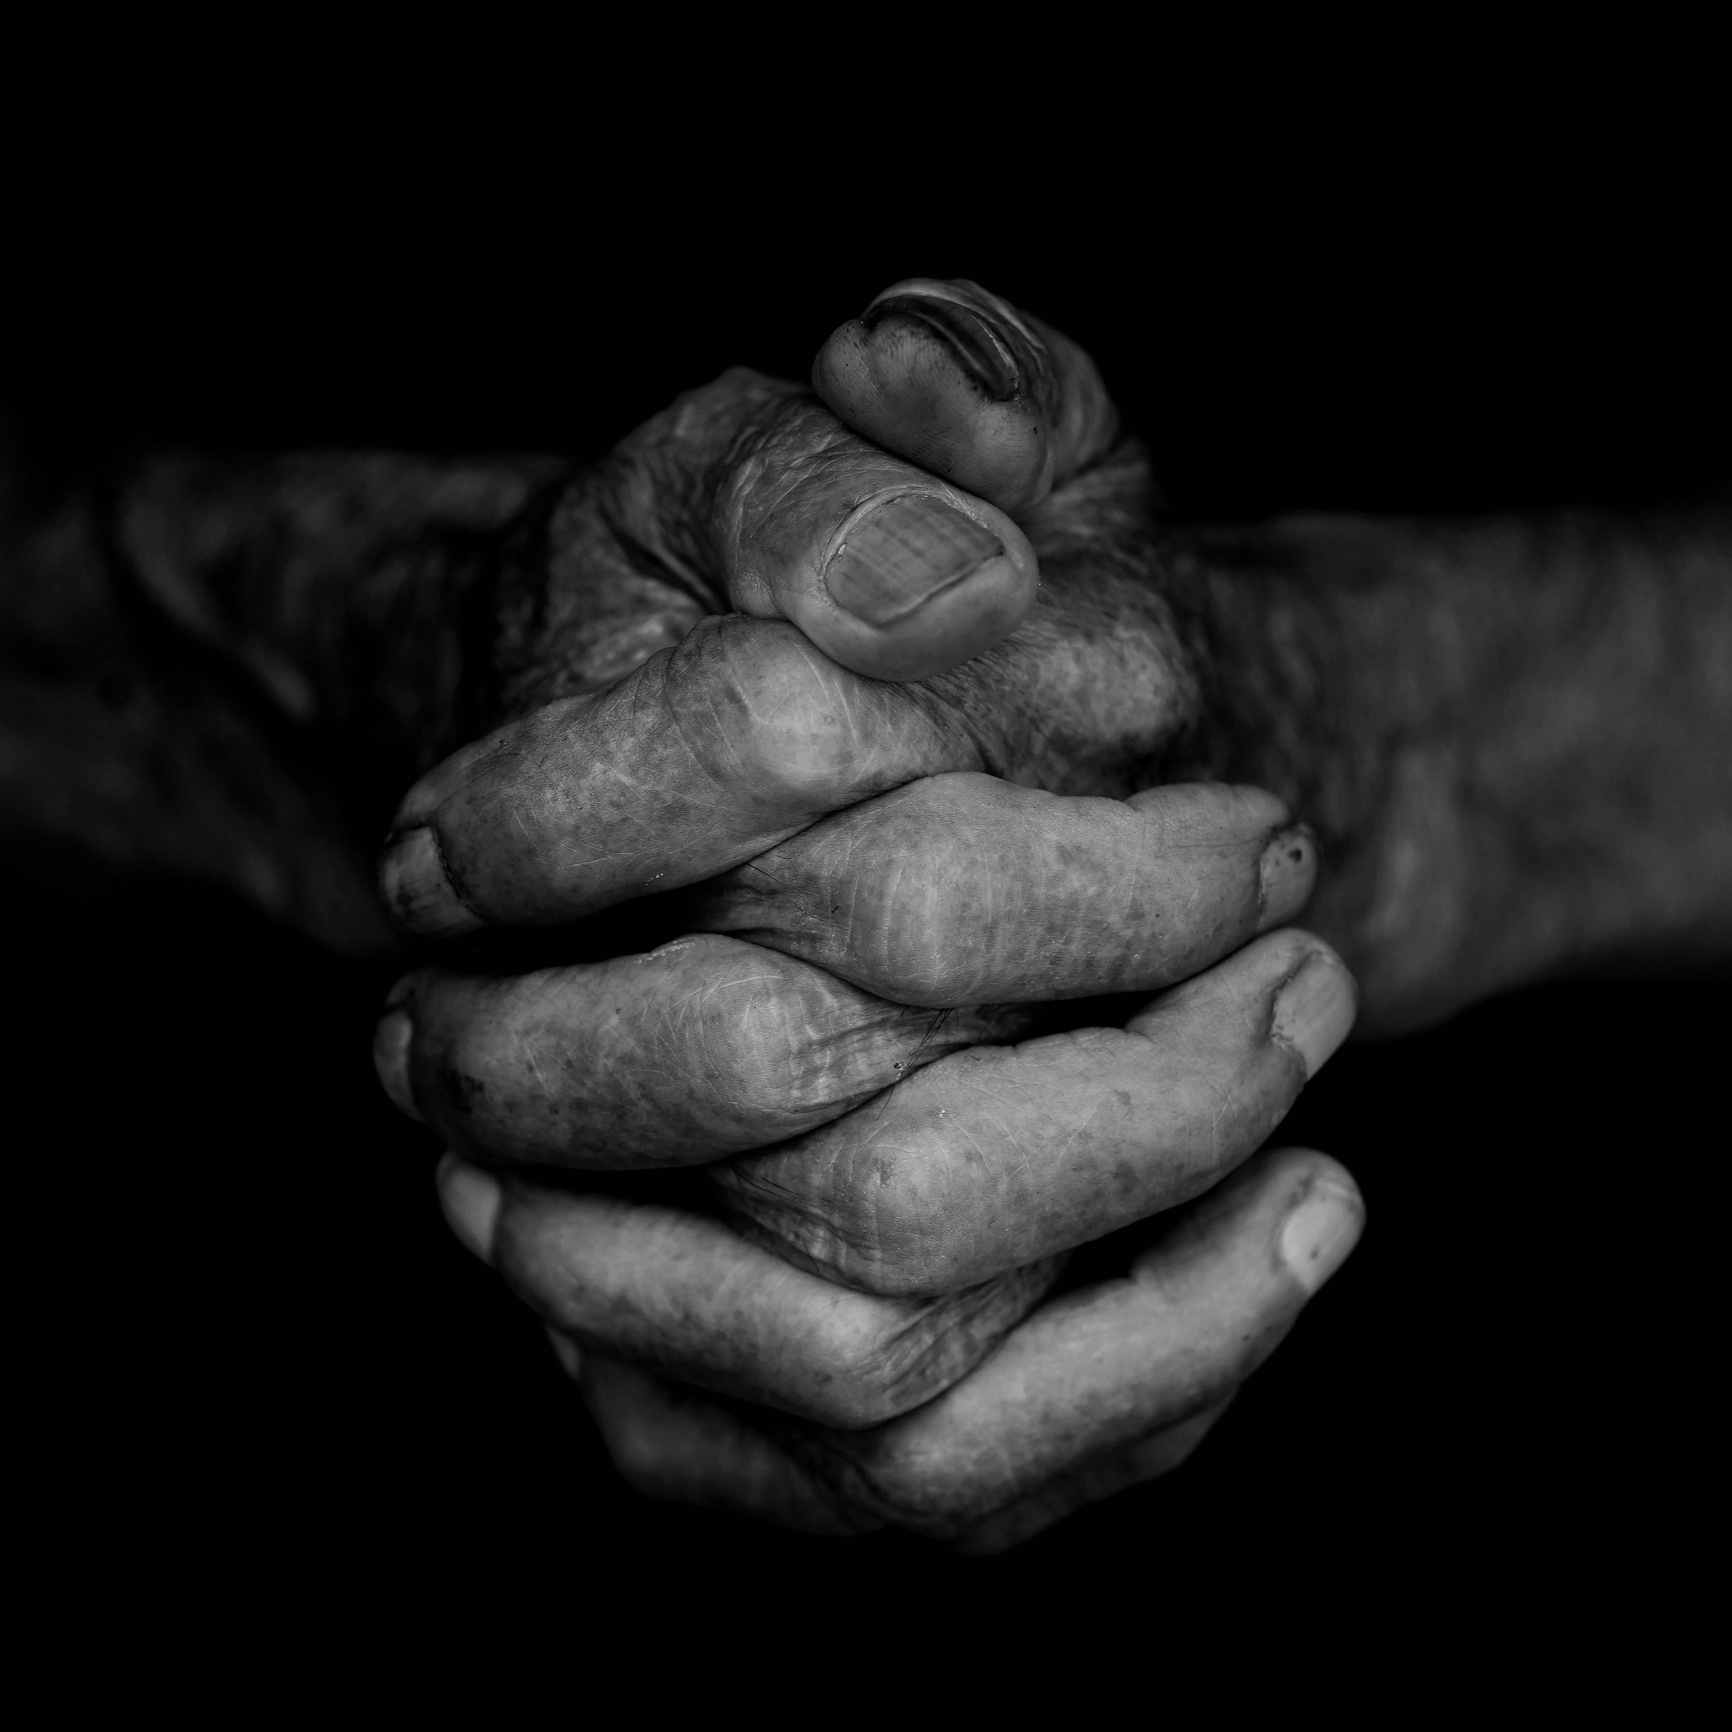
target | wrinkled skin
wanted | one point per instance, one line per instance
(1504, 739)
(876, 1274)
(1021, 824)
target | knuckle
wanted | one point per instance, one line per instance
(756, 1038)
(917, 923)
(913, 938)
(853, 1216)
(921, 889)
(909, 1353)
(863, 1386)
(786, 719)
(777, 1034)
(900, 1232)
(938, 937)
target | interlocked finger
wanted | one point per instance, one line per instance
(964, 889)
(997, 1156)
(673, 1291)
(699, 1049)
(1095, 1390)
(696, 761)
(654, 748)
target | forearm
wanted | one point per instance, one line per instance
(233, 669)
(1511, 735)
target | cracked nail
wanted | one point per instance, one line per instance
(391, 1042)
(1285, 876)
(901, 552)
(1315, 1009)
(1318, 1234)
(418, 892)
(971, 341)
(470, 1199)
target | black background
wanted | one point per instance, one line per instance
(267, 1394)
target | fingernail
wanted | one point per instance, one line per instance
(976, 347)
(391, 1042)
(1315, 1009)
(417, 889)
(470, 1199)
(901, 552)
(1317, 1236)
(567, 1352)
(1285, 876)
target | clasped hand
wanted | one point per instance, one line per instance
(881, 679)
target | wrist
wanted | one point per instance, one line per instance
(1506, 734)
(349, 603)
(129, 748)
(1299, 697)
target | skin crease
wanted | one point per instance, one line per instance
(738, 496)
(1140, 1367)
(691, 1298)
(991, 1157)
(702, 1048)
(1469, 774)
(701, 759)
(711, 1046)
(798, 1204)
(997, 1156)
(1110, 1364)
(1238, 1303)
(962, 889)
(1192, 835)
(1457, 861)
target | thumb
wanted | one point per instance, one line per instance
(963, 384)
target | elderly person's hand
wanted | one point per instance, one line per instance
(873, 1271)
(1508, 736)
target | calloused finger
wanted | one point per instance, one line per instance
(669, 1290)
(962, 383)
(964, 889)
(998, 1156)
(703, 1047)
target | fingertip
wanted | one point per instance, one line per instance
(1314, 1008)
(927, 379)
(392, 1041)
(471, 1200)
(1286, 876)
(1323, 1223)
(417, 889)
